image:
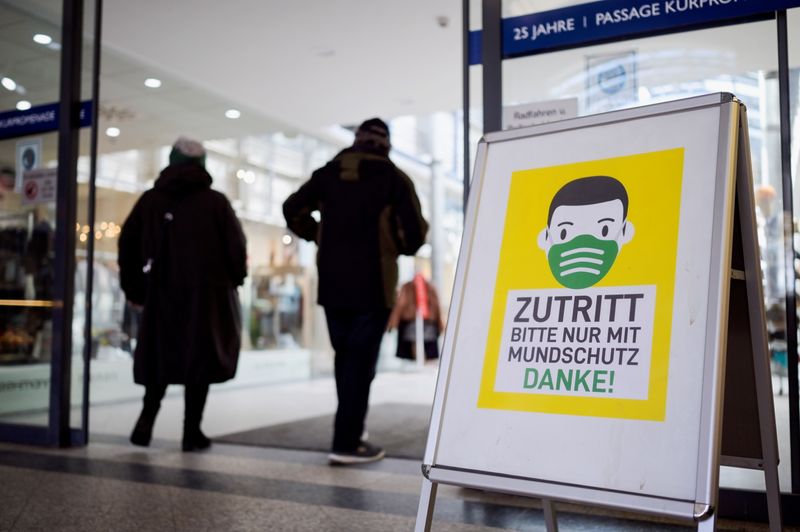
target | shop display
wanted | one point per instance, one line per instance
(276, 313)
(113, 330)
(16, 345)
(26, 259)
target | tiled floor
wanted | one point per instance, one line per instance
(240, 409)
(110, 485)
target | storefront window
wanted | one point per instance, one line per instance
(793, 23)
(273, 297)
(284, 336)
(283, 333)
(780, 360)
(29, 75)
(27, 260)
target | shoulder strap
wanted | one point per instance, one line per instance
(166, 219)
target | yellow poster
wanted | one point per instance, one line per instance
(583, 298)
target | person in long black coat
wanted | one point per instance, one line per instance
(182, 253)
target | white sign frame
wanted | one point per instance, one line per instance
(439, 466)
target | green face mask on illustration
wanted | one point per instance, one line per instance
(582, 261)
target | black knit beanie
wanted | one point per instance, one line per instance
(373, 135)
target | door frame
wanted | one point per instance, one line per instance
(59, 431)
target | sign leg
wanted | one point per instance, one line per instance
(773, 498)
(758, 328)
(708, 525)
(427, 501)
(549, 509)
(769, 438)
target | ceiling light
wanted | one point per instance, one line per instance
(23, 105)
(41, 38)
(233, 114)
(9, 83)
(287, 239)
(112, 132)
(153, 83)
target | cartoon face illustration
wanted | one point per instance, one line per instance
(587, 226)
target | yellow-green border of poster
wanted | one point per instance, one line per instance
(653, 181)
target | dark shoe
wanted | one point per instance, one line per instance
(195, 441)
(365, 453)
(142, 432)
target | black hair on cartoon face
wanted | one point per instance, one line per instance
(588, 191)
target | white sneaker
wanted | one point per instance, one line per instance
(365, 453)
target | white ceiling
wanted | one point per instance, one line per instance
(147, 118)
(308, 63)
(289, 66)
(303, 65)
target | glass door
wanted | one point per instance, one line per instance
(40, 117)
(30, 55)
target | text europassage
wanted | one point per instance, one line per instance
(615, 16)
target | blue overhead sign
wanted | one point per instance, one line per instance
(39, 119)
(586, 24)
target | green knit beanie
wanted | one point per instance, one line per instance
(186, 150)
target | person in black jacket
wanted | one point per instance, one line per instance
(182, 253)
(369, 213)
